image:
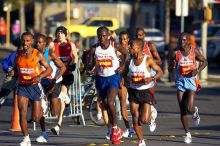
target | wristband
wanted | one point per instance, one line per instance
(153, 78)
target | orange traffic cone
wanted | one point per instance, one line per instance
(15, 125)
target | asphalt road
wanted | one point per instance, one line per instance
(169, 130)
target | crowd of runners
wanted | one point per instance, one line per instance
(42, 70)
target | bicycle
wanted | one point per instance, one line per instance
(89, 98)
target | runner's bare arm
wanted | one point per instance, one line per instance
(152, 64)
(123, 56)
(43, 61)
(155, 53)
(91, 58)
(126, 69)
(74, 51)
(58, 63)
(201, 59)
(172, 63)
(51, 46)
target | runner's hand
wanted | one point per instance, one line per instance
(11, 73)
(51, 86)
(194, 72)
(148, 80)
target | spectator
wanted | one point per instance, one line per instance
(16, 29)
(3, 31)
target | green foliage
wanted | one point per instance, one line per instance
(15, 3)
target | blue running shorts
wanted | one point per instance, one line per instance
(105, 83)
(183, 84)
(34, 92)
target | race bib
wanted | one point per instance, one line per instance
(105, 63)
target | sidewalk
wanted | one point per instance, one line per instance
(11, 47)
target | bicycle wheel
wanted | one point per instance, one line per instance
(93, 112)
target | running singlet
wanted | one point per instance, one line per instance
(146, 49)
(64, 52)
(53, 66)
(107, 60)
(185, 64)
(138, 75)
(28, 68)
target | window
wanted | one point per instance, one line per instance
(101, 23)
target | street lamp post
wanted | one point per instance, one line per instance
(204, 73)
(7, 9)
(68, 12)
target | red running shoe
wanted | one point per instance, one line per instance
(116, 135)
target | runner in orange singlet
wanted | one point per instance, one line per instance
(29, 76)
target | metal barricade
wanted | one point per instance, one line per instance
(75, 107)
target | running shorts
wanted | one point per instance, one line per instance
(140, 96)
(34, 92)
(183, 84)
(105, 83)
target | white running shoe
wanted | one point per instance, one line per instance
(99, 116)
(43, 138)
(153, 124)
(129, 132)
(108, 133)
(56, 130)
(188, 138)
(141, 143)
(126, 133)
(26, 141)
(196, 117)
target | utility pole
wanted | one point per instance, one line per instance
(7, 8)
(182, 8)
(204, 73)
(68, 12)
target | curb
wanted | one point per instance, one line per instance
(10, 48)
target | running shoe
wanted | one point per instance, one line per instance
(141, 143)
(196, 117)
(43, 138)
(116, 135)
(26, 141)
(126, 133)
(108, 135)
(188, 138)
(99, 116)
(131, 132)
(153, 124)
(55, 130)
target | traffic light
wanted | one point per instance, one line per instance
(208, 14)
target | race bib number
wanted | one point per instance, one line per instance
(186, 68)
(27, 77)
(105, 63)
(137, 80)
